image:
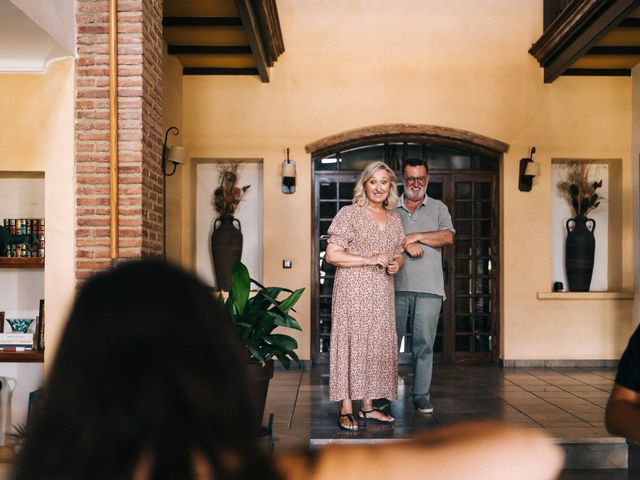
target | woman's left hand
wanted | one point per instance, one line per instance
(395, 264)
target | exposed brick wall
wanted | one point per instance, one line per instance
(140, 132)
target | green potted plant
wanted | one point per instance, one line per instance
(256, 317)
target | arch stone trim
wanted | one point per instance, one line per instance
(425, 133)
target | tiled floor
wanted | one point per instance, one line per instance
(568, 403)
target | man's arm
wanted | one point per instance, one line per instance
(436, 239)
(622, 415)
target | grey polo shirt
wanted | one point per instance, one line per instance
(424, 274)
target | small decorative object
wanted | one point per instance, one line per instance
(581, 192)
(226, 236)
(20, 325)
(558, 286)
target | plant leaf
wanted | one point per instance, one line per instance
(240, 283)
(576, 208)
(573, 188)
(584, 205)
(254, 350)
(284, 342)
(291, 300)
(284, 360)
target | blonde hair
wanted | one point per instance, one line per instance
(360, 196)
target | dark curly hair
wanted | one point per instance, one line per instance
(148, 368)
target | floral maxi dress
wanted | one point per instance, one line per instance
(364, 352)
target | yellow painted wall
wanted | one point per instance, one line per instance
(172, 117)
(36, 114)
(458, 64)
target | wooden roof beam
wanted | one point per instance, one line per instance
(576, 31)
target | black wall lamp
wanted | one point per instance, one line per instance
(288, 175)
(175, 154)
(528, 170)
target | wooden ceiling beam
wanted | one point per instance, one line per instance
(597, 72)
(218, 71)
(631, 22)
(208, 50)
(575, 32)
(614, 50)
(201, 22)
(251, 30)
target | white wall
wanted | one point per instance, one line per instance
(249, 212)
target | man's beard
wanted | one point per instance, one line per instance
(415, 195)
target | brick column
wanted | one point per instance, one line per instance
(140, 132)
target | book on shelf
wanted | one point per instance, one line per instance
(38, 340)
(34, 228)
(13, 348)
(16, 339)
(1, 322)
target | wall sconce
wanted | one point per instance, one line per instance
(175, 154)
(288, 175)
(528, 170)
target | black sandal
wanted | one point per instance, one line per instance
(350, 417)
(363, 414)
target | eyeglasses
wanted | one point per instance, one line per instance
(415, 180)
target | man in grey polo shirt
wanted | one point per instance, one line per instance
(420, 284)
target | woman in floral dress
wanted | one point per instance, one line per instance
(365, 245)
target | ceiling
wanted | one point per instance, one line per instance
(591, 38)
(223, 37)
(28, 37)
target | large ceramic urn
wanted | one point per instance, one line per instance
(579, 252)
(226, 247)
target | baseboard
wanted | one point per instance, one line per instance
(302, 364)
(558, 363)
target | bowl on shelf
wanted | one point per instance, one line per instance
(20, 325)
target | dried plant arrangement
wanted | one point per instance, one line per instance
(227, 196)
(578, 187)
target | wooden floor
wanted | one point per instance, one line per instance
(568, 403)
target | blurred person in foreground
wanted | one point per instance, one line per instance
(622, 414)
(148, 383)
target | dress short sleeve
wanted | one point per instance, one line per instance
(399, 247)
(341, 230)
(629, 367)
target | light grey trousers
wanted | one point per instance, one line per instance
(420, 311)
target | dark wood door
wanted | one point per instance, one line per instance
(468, 325)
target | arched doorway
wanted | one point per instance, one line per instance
(464, 169)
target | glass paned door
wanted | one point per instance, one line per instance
(333, 191)
(467, 184)
(469, 318)
(474, 269)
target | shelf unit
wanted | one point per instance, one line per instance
(23, 357)
(20, 262)
(22, 195)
